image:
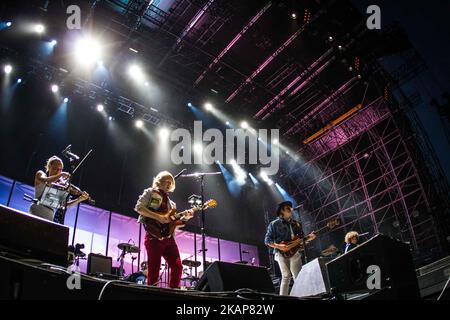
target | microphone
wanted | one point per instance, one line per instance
(180, 173)
(67, 149)
(67, 153)
(298, 207)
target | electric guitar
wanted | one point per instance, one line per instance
(297, 244)
(160, 230)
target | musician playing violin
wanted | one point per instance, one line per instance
(53, 174)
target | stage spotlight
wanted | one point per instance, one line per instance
(227, 123)
(139, 123)
(164, 133)
(189, 105)
(146, 83)
(8, 69)
(100, 108)
(265, 178)
(9, 24)
(54, 88)
(208, 106)
(135, 72)
(110, 118)
(330, 38)
(39, 28)
(87, 51)
(66, 100)
(53, 42)
(293, 15)
(240, 174)
(276, 142)
(19, 80)
(244, 125)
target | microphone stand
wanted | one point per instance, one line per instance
(201, 176)
(72, 172)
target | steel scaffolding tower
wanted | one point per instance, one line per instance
(367, 173)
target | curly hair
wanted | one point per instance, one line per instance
(350, 235)
(161, 176)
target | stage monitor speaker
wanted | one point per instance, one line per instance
(312, 279)
(350, 272)
(224, 276)
(98, 263)
(32, 237)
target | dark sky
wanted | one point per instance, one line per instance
(427, 24)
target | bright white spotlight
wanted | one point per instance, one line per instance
(265, 178)
(208, 106)
(293, 15)
(53, 42)
(189, 105)
(87, 51)
(66, 100)
(8, 69)
(276, 142)
(54, 88)
(146, 83)
(135, 72)
(9, 24)
(164, 133)
(240, 174)
(39, 28)
(19, 80)
(227, 123)
(198, 148)
(244, 125)
(110, 118)
(139, 123)
(100, 108)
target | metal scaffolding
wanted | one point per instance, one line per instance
(364, 172)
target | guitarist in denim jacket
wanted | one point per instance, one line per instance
(286, 229)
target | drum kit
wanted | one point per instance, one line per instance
(140, 277)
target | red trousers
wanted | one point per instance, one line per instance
(167, 249)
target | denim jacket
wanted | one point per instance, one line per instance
(278, 231)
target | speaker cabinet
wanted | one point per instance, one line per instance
(223, 276)
(350, 272)
(32, 237)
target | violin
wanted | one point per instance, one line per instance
(73, 189)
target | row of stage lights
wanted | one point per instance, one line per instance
(88, 52)
(164, 133)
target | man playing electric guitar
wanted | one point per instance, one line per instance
(154, 204)
(285, 234)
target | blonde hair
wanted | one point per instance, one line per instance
(350, 235)
(161, 176)
(51, 161)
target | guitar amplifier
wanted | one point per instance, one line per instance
(99, 264)
(349, 273)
